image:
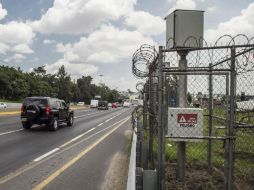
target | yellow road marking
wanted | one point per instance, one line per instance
(74, 160)
(32, 165)
(10, 113)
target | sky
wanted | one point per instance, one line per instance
(98, 37)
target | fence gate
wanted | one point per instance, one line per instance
(212, 131)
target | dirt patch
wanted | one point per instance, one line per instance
(198, 177)
(116, 176)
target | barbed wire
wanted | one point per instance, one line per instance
(218, 53)
(142, 59)
(140, 87)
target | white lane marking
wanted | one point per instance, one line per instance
(85, 115)
(100, 124)
(11, 132)
(47, 154)
(65, 144)
(76, 138)
(110, 118)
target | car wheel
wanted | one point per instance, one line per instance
(54, 124)
(70, 120)
(26, 125)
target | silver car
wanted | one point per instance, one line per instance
(3, 105)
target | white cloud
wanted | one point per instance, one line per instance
(138, 19)
(3, 12)
(72, 69)
(183, 4)
(23, 49)
(18, 56)
(81, 16)
(48, 41)
(3, 48)
(242, 24)
(212, 9)
(113, 83)
(106, 45)
(16, 33)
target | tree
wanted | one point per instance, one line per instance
(41, 71)
(64, 84)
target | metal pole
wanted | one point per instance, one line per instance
(145, 107)
(182, 96)
(210, 119)
(230, 142)
(160, 122)
(151, 121)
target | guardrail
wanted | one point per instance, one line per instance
(131, 183)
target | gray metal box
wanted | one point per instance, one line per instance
(185, 28)
(185, 122)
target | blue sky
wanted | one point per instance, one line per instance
(98, 37)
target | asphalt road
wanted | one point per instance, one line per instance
(92, 154)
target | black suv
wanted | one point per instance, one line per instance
(45, 110)
(102, 105)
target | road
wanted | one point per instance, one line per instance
(92, 154)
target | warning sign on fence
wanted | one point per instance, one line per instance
(185, 122)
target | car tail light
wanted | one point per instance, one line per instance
(22, 109)
(47, 110)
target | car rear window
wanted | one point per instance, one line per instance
(35, 101)
(102, 103)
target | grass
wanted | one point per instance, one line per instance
(197, 152)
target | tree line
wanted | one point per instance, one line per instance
(16, 84)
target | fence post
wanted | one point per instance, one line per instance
(145, 106)
(182, 96)
(230, 141)
(160, 123)
(151, 120)
(210, 119)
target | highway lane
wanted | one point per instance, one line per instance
(20, 149)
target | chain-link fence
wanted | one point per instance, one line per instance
(221, 151)
(200, 103)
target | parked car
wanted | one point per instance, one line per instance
(94, 103)
(102, 105)
(126, 104)
(3, 105)
(45, 110)
(80, 103)
(114, 105)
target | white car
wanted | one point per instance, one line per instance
(126, 104)
(80, 103)
(94, 104)
(3, 105)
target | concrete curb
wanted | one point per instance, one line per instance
(131, 183)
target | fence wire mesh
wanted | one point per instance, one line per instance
(198, 133)
(213, 175)
(220, 84)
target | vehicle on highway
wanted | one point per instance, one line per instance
(126, 104)
(3, 105)
(80, 103)
(102, 105)
(94, 103)
(45, 110)
(114, 105)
